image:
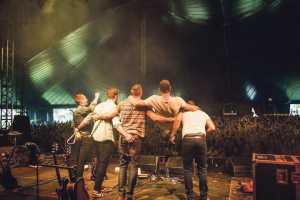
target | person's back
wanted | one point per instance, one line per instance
(132, 118)
(194, 122)
(80, 113)
(195, 126)
(166, 106)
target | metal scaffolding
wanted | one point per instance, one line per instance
(7, 83)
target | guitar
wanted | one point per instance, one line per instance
(6, 178)
(68, 189)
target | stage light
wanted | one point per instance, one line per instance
(73, 48)
(41, 68)
(291, 86)
(250, 92)
(293, 92)
(189, 10)
(246, 8)
(56, 95)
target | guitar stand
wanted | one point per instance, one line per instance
(37, 180)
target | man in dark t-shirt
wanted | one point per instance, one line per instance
(82, 149)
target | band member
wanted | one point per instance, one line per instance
(103, 137)
(83, 147)
(195, 127)
(165, 105)
(131, 125)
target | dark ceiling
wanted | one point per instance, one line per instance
(211, 50)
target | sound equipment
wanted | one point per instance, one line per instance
(68, 189)
(276, 177)
(21, 124)
(6, 178)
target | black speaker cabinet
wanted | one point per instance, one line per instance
(22, 124)
(276, 177)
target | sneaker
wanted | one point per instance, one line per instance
(97, 194)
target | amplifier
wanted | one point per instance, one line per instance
(276, 177)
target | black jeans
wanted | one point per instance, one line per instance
(84, 154)
(195, 148)
(129, 153)
(104, 151)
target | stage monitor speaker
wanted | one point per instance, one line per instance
(21, 124)
(276, 177)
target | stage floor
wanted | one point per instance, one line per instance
(219, 186)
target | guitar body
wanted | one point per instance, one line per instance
(62, 193)
(7, 180)
(73, 189)
(77, 190)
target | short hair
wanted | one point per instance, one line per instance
(165, 86)
(112, 92)
(136, 89)
(79, 97)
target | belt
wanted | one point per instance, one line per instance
(193, 136)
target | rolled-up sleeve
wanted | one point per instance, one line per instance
(116, 121)
(181, 102)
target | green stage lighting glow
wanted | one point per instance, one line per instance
(250, 91)
(195, 11)
(41, 69)
(291, 87)
(61, 62)
(73, 48)
(293, 91)
(246, 8)
(56, 95)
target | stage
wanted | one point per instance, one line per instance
(221, 186)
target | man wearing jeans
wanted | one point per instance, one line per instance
(103, 137)
(195, 126)
(83, 125)
(131, 126)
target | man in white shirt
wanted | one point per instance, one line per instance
(103, 137)
(195, 126)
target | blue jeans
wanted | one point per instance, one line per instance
(129, 153)
(104, 151)
(195, 148)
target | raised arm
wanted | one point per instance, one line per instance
(95, 100)
(159, 118)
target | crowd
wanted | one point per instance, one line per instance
(46, 134)
(235, 136)
(241, 136)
